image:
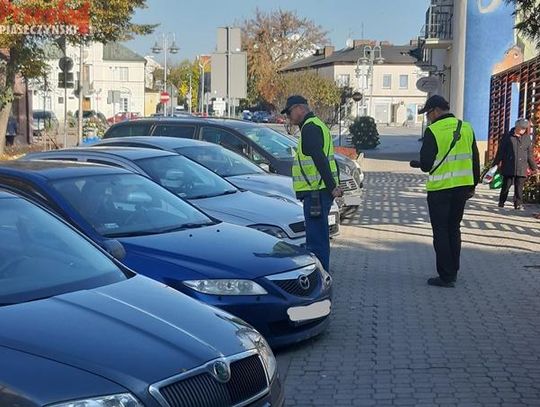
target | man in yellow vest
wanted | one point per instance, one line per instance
(450, 156)
(315, 175)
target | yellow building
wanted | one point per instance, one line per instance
(151, 101)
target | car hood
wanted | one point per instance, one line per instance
(248, 208)
(218, 251)
(133, 333)
(265, 184)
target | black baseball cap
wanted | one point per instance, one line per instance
(434, 102)
(294, 100)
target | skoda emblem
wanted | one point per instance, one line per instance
(304, 282)
(221, 371)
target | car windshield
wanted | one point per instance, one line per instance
(41, 257)
(220, 160)
(123, 205)
(185, 178)
(270, 140)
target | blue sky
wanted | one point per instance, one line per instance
(194, 23)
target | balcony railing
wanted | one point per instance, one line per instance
(439, 18)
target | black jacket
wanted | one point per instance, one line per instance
(429, 152)
(516, 154)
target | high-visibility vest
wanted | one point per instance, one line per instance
(457, 168)
(304, 172)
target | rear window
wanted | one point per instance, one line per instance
(174, 130)
(129, 130)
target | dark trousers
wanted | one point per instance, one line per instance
(519, 183)
(446, 212)
(317, 229)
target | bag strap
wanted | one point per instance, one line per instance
(457, 136)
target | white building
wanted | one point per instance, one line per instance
(106, 68)
(395, 98)
(151, 66)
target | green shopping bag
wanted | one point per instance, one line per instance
(497, 181)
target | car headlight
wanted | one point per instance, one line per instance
(325, 276)
(226, 287)
(264, 350)
(117, 400)
(275, 231)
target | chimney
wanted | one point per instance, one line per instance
(328, 51)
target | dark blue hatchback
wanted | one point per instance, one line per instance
(278, 288)
(79, 329)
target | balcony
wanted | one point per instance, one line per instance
(438, 28)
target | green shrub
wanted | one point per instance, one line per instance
(364, 134)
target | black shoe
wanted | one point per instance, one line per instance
(501, 205)
(438, 282)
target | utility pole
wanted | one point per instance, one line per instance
(81, 95)
(228, 71)
(190, 99)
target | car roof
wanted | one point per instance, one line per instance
(162, 142)
(7, 194)
(52, 169)
(234, 123)
(130, 153)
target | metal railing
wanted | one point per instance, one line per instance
(439, 18)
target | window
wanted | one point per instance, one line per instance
(172, 130)
(404, 81)
(224, 138)
(123, 74)
(387, 81)
(129, 130)
(272, 142)
(124, 104)
(60, 100)
(343, 80)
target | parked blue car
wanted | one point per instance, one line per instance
(235, 168)
(79, 329)
(200, 186)
(279, 288)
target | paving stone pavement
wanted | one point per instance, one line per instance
(393, 340)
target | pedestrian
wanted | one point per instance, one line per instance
(514, 157)
(315, 175)
(450, 155)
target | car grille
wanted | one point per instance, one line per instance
(348, 185)
(298, 227)
(248, 379)
(293, 286)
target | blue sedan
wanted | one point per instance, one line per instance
(277, 287)
(200, 186)
(80, 329)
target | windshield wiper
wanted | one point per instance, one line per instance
(230, 192)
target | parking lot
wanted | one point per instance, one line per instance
(393, 340)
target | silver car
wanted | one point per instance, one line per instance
(198, 185)
(235, 168)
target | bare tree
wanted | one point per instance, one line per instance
(273, 40)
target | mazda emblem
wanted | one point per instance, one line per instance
(304, 282)
(221, 371)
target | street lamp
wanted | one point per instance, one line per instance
(203, 61)
(166, 49)
(364, 67)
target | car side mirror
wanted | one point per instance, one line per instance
(115, 249)
(265, 166)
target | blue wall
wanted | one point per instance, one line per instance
(489, 35)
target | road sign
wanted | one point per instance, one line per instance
(429, 84)
(164, 97)
(65, 80)
(357, 96)
(65, 64)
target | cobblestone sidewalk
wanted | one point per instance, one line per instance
(393, 340)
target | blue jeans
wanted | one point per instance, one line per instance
(317, 229)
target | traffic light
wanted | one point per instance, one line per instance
(65, 77)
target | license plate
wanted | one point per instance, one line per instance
(332, 220)
(352, 200)
(313, 311)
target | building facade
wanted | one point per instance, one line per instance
(388, 86)
(107, 69)
(465, 43)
